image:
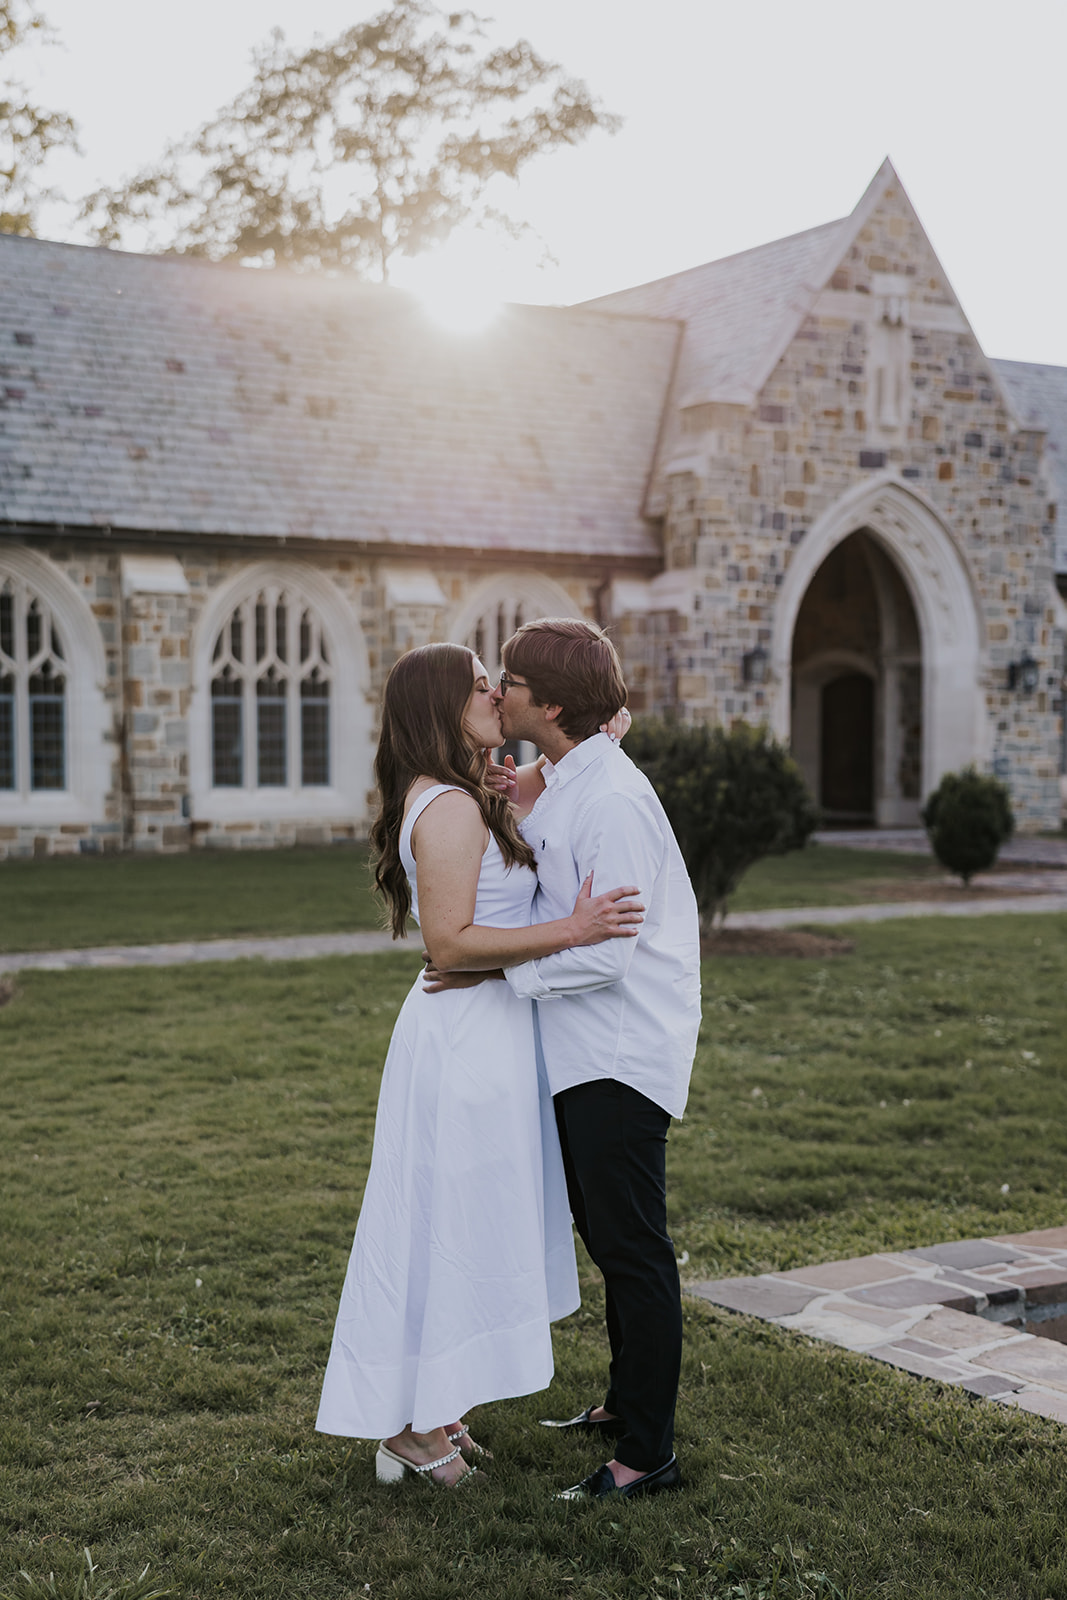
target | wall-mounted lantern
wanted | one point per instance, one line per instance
(1025, 674)
(754, 665)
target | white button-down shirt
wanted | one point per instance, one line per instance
(628, 1008)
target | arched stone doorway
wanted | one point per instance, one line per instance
(857, 688)
(922, 651)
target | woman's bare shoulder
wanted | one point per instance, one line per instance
(419, 787)
(453, 815)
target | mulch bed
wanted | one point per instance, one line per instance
(796, 942)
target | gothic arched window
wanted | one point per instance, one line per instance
(494, 627)
(33, 693)
(493, 612)
(500, 605)
(271, 681)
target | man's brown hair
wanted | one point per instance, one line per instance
(572, 664)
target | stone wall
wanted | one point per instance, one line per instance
(884, 381)
(147, 609)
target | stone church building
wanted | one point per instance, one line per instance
(790, 482)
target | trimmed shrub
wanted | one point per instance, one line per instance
(732, 798)
(968, 817)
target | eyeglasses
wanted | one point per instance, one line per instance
(507, 682)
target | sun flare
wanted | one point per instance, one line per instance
(459, 286)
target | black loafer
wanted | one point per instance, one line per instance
(601, 1427)
(600, 1485)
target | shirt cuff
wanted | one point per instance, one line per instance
(525, 981)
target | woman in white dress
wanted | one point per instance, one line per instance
(463, 1252)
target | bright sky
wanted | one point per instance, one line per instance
(745, 120)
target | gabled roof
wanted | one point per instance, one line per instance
(743, 312)
(740, 313)
(1039, 396)
(161, 394)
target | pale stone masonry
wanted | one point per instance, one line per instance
(880, 401)
(791, 482)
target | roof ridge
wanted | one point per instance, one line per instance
(735, 255)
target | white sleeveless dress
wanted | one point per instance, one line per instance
(463, 1251)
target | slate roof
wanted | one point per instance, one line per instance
(739, 312)
(1039, 395)
(155, 394)
(160, 394)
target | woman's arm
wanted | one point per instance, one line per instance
(449, 841)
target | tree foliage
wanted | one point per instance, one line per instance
(344, 155)
(27, 132)
(732, 797)
(967, 818)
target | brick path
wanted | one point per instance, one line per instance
(969, 1313)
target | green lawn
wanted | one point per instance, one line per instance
(830, 875)
(74, 902)
(183, 1156)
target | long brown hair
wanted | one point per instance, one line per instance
(422, 735)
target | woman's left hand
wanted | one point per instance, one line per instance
(618, 727)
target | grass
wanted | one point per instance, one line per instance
(76, 901)
(184, 1153)
(72, 902)
(832, 875)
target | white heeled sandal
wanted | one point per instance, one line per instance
(390, 1467)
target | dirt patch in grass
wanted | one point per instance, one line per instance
(797, 942)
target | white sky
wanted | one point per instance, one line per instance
(744, 121)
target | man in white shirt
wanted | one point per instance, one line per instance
(618, 1024)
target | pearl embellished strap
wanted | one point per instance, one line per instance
(430, 1466)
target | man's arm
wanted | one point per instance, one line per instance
(619, 841)
(436, 982)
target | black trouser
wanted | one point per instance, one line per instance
(614, 1152)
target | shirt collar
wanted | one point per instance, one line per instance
(575, 761)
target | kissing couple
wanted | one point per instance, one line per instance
(533, 1070)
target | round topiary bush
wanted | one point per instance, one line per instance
(968, 817)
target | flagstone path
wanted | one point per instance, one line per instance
(976, 1314)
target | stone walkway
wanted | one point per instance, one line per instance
(983, 1315)
(304, 947)
(299, 948)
